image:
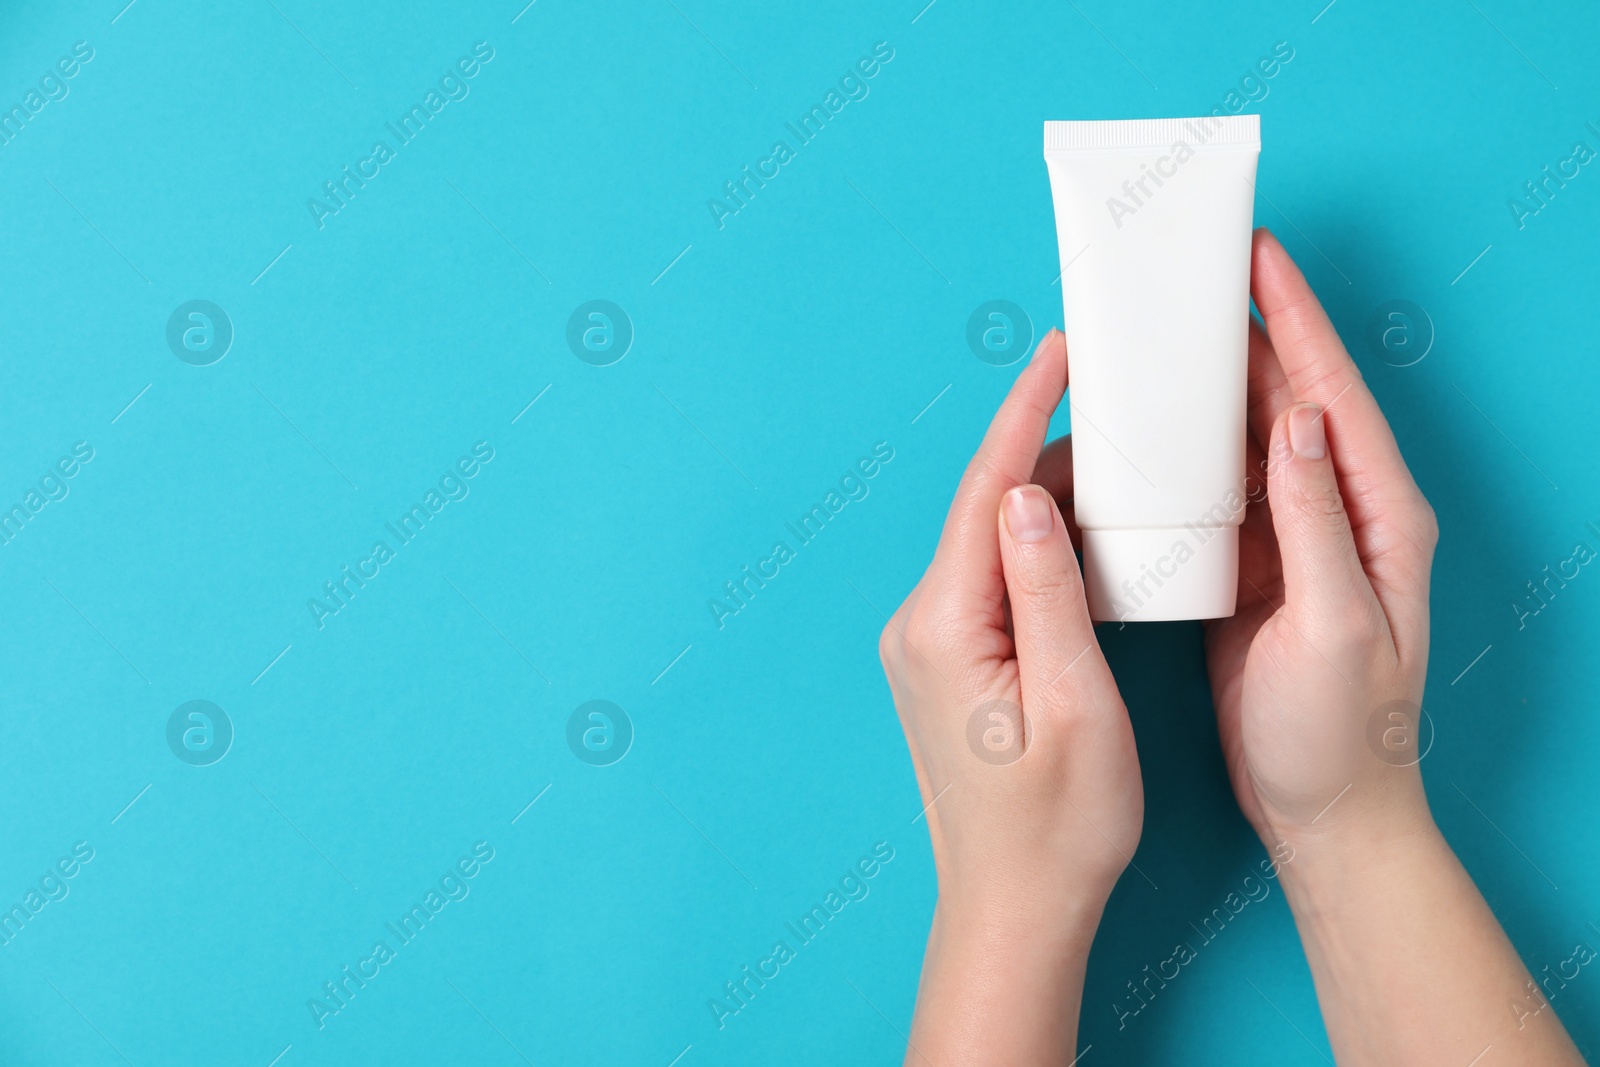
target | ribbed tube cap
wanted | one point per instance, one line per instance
(1161, 575)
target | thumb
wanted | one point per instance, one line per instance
(1322, 572)
(1057, 654)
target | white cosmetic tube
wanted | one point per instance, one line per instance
(1153, 222)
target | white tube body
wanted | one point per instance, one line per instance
(1153, 222)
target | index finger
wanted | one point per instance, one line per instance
(1389, 518)
(1319, 370)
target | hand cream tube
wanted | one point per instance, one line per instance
(1153, 223)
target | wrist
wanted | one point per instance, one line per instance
(1347, 865)
(1017, 926)
(1001, 985)
(1369, 818)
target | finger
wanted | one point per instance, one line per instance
(967, 561)
(1318, 370)
(1268, 393)
(1057, 655)
(1325, 587)
(1260, 570)
(1392, 523)
(1053, 473)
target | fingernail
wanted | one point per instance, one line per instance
(1029, 516)
(1308, 438)
(1043, 341)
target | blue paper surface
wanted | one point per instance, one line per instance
(263, 348)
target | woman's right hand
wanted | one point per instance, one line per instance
(1318, 684)
(1318, 677)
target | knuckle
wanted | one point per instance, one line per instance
(1354, 621)
(1427, 524)
(1357, 630)
(1324, 379)
(1343, 628)
(1322, 504)
(916, 629)
(889, 650)
(892, 640)
(1044, 583)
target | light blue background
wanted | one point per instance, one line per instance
(821, 319)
